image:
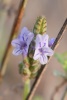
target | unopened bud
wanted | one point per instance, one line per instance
(40, 26)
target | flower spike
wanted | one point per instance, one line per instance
(40, 26)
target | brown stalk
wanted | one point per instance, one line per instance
(15, 29)
(57, 89)
(43, 67)
(64, 94)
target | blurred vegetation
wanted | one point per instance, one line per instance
(62, 59)
(38, 98)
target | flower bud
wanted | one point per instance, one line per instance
(40, 26)
(21, 66)
(34, 68)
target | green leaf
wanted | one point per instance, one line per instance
(59, 58)
(62, 58)
(21, 66)
(64, 55)
(65, 65)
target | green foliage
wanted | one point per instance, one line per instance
(24, 70)
(34, 68)
(21, 66)
(62, 58)
(37, 98)
(59, 58)
(65, 65)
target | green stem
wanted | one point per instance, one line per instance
(26, 89)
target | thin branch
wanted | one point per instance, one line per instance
(64, 94)
(13, 33)
(57, 89)
(43, 67)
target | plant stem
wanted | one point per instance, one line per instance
(26, 89)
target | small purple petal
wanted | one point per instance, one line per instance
(38, 41)
(17, 51)
(48, 51)
(40, 44)
(51, 41)
(24, 31)
(44, 44)
(36, 54)
(25, 51)
(15, 43)
(45, 38)
(29, 38)
(23, 34)
(43, 59)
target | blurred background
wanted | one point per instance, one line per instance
(55, 12)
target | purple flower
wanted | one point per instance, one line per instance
(51, 41)
(22, 43)
(42, 50)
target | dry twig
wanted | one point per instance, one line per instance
(57, 89)
(64, 94)
(14, 32)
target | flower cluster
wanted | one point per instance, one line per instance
(35, 47)
(42, 45)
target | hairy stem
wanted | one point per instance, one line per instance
(26, 89)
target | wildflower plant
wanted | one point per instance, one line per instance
(35, 47)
